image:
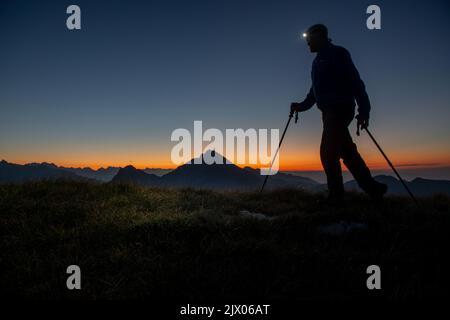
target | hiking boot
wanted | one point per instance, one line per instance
(378, 191)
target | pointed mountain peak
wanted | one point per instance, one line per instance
(210, 157)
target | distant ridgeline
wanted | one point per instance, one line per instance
(215, 176)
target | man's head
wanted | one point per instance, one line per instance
(317, 37)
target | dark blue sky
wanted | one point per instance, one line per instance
(113, 92)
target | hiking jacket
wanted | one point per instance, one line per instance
(336, 83)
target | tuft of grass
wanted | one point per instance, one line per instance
(192, 245)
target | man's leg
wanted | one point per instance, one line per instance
(330, 153)
(356, 165)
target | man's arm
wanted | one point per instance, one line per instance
(306, 104)
(357, 85)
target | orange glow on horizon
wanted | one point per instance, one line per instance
(294, 155)
(289, 164)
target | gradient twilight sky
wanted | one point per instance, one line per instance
(113, 92)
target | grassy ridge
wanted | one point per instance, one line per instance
(132, 242)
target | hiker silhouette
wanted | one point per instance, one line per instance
(336, 85)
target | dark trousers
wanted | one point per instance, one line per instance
(337, 144)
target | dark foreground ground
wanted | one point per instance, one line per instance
(195, 245)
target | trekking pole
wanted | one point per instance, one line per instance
(291, 114)
(392, 166)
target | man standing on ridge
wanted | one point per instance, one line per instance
(336, 85)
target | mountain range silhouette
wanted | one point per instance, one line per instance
(225, 176)
(222, 175)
